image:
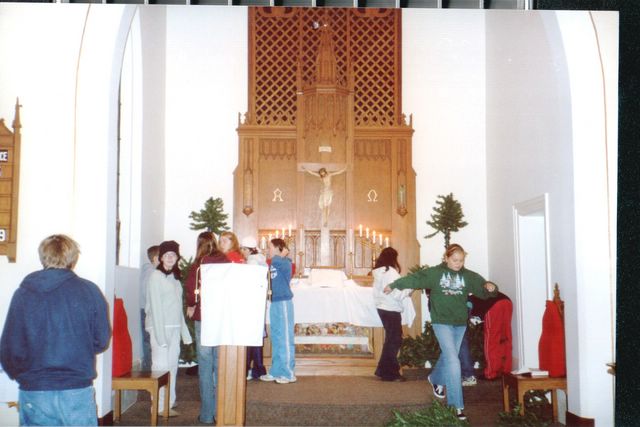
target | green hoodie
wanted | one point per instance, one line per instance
(449, 291)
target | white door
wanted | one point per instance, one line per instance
(532, 276)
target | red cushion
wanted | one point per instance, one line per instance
(122, 354)
(551, 350)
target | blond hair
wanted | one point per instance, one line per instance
(59, 251)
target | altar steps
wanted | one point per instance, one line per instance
(324, 400)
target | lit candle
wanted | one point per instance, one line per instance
(283, 235)
(270, 235)
(360, 229)
(380, 239)
(367, 232)
(386, 242)
(263, 243)
(374, 236)
(289, 230)
(277, 233)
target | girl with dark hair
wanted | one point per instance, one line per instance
(165, 320)
(450, 284)
(283, 360)
(389, 306)
(207, 252)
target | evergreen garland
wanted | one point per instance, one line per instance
(436, 415)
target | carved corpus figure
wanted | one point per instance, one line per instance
(326, 192)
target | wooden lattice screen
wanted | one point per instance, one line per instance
(366, 41)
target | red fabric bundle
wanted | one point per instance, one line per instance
(551, 350)
(497, 339)
(122, 353)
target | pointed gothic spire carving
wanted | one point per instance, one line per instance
(326, 60)
(16, 120)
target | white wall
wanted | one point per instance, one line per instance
(67, 83)
(545, 134)
(591, 318)
(206, 88)
(443, 74)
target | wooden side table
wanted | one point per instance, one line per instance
(150, 381)
(522, 384)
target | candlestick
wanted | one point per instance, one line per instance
(263, 243)
(367, 233)
(360, 229)
(386, 241)
(289, 230)
(270, 235)
(300, 266)
(380, 239)
(277, 233)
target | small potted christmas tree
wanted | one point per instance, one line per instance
(447, 218)
(212, 218)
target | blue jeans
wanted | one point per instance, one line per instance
(146, 343)
(74, 407)
(466, 361)
(283, 349)
(207, 378)
(447, 369)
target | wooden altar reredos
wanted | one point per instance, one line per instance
(325, 92)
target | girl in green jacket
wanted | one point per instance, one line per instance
(450, 284)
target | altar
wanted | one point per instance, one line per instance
(337, 319)
(325, 163)
(348, 303)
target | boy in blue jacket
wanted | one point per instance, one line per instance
(56, 324)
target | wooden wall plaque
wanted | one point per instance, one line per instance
(9, 185)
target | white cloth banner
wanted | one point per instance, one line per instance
(350, 303)
(233, 304)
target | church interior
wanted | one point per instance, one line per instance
(335, 129)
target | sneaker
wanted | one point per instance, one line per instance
(461, 416)
(438, 390)
(469, 381)
(267, 377)
(173, 413)
(249, 377)
(283, 380)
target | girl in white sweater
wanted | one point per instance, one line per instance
(389, 306)
(164, 317)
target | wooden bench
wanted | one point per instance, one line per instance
(522, 383)
(150, 381)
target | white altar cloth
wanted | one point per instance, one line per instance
(350, 303)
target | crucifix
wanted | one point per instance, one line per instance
(326, 192)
